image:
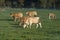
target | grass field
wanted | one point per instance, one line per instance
(9, 30)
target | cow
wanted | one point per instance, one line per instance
(28, 21)
(52, 16)
(16, 16)
(23, 20)
(31, 13)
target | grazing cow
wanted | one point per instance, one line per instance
(31, 13)
(52, 16)
(23, 20)
(31, 20)
(16, 16)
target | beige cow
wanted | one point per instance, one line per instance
(16, 16)
(52, 16)
(28, 21)
(31, 13)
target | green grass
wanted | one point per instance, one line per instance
(9, 30)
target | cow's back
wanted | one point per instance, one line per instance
(51, 14)
(34, 19)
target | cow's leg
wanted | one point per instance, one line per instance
(24, 25)
(15, 19)
(19, 24)
(54, 17)
(27, 26)
(40, 25)
(30, 25)
(36, 25)
(49, 17)
(19, 19)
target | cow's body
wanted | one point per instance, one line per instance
(31, 13)
(52, 16)
(16, 16)
(31, 20)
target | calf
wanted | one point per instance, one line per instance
(16, 16)
(52, 16)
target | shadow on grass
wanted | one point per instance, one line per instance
(55, 19)
(6, 19)
(54, 32)
(17, 26)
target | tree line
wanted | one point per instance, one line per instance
(31, 3)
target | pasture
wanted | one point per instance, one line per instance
(9, 30)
